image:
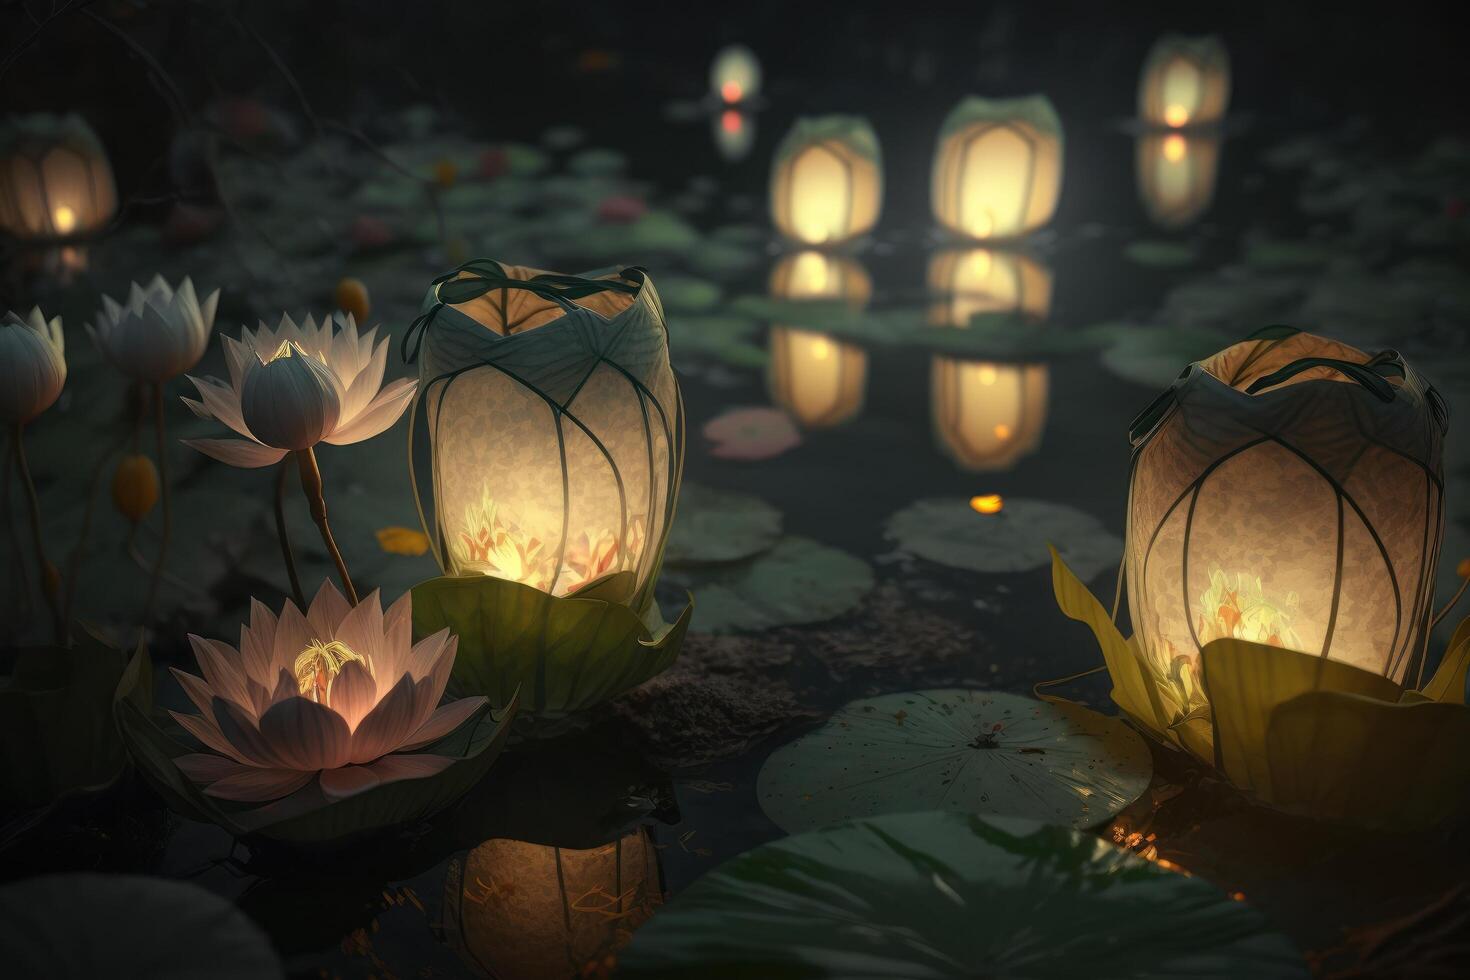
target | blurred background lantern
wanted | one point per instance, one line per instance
(998, 167)
(986, 414)
(1287, 492)
(819, 379)
(1176, 175)
(735, 74)
(1185, 82)
(827, 181)
(555, 427)
(530, 911)
(734, 131)
(55, 181)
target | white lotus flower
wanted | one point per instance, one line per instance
(290, 401)
(32, 365)
(356, 363)
(340, 695)
(159, 333)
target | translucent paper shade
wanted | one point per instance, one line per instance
(998, 167)
(556, 434)
(814, 376)
(534, 912)
(735, 75)
(55, 180)
(734, 133)
(1185, 82)
(1307, 515)
(987, 415)
(827, 181)
(1177, 173)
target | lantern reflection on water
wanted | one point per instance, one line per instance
(987, 415)
(55, 180)
(819, 379)
(734, 133)
(1185, 82)
(531, 911)
(827, 181)
(1176, 175)
(998, 167)
(735, 74)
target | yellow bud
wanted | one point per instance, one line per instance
(402, 541)
(1463, 569)
(135, 487)
(352, 297)
(445, 172)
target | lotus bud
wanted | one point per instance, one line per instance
(32, 365)
(352, 297)
(158, 333)
(135, 487)
(292, 400)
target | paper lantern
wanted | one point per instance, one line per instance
(1176, 176)
(1287, 492)
(735, 75)
(530, 911)
(55, 181)
(819, 379)
(1185, 82)
(986, 414)
(998, 167)
(827, 182)
(734, 132)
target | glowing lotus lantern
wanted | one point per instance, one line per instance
(998, 167)
(827, 181)
(1176, 176)
(556, 438)
(518, 909)
(1185, 82)
(819, 379)
(987, 414)
(735, 75)
(1285, 518)
(55, 182)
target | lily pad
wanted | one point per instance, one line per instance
(717, 526)
(688, 294)
(938, 895)
(1154, 356)
(725, 259)
(728, 338)
(982, 752)
(597, 162)
(88, 925)
(949, 532)
(750, 434)
(1161, 254)
(796, 581)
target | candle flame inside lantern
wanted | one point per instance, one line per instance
(65, 219)
(731, 92)
(730, 121)
(1176, 115)
(990, 503)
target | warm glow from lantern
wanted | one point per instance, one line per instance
(987, 374)
(827, 183)
(820, 380)
(990, 503)
(1306, 516)
(981, 280)
(1177, 174)
(1185, 82)
(731, 91)
(730, 121)
(998, 167)
(735, 74)
(734, 134)
(55, 179)
(65, 219)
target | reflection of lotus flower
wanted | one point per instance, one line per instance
(330, 694)
(32, 365)
(355, 363)
(159, 333)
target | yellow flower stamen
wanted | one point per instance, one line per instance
(319, 664)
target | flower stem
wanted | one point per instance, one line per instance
(311, 485)
(286, 538)
(50, 584)
(23, 606)
(161, 433)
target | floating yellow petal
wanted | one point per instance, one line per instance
(402, 541)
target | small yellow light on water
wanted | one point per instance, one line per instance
(980, 264)
(1176, 115)
(989, 503)
(987, 374)
(64, 218)
(731, 121)
(1002, 431)
(1175, 148)
(731, 91)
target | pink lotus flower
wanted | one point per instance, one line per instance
(339, 695)
(751, 434)
(621, 209)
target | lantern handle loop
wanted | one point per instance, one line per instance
(1373, 374)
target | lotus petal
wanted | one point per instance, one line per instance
(259, 785)
(354, 692)
(306, 735)
(388, 725)
(240, 730)
(379, 415)
(237, 452)
(326, 612)
(205, 730)
(444, 721)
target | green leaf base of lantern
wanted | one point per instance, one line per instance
(1312, 736)
(306, 817)
(563, 653)
(56, 732)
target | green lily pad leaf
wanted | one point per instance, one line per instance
(657, 232)
(1161, 254)
(717, 526)
(1274, 254)
(1155, 356)
(597, 162)
(947, 531)
(1005, 337)
(88, 925)
(836, 317)
(982, 752)
(688, 294)
(725, 259)
(306, 816)
(56, 730)
(796, 581)
(562, 654)
(935, 895)
(728, 338)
